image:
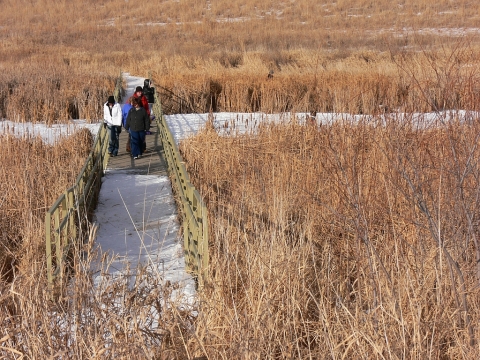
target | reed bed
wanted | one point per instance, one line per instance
(326, 56)
(341, 241)
(363, 82)
(199, 28)
(307, 81)
(28, 189)
(54, 90)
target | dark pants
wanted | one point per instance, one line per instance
(137, 138)
(113, 142)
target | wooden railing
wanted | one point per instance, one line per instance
(75, 206)
(193, 209)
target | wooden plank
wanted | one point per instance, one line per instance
(151, 162)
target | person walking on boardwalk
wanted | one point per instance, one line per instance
(112, 119)
(125, 110)
(138, 122)
(139, 95)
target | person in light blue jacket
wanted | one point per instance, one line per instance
(112, 119)
(125, 110)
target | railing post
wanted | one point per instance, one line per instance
(204, 246)
(48, 244)
(65, 216)
(71, 221)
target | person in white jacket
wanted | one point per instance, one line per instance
(112, 119)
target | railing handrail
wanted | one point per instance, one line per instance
(75, 203)
(72, 205)
(194, 211)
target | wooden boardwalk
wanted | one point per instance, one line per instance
(152, 161)
(137, 218)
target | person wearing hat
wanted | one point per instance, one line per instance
(112, 120)
(139, 94)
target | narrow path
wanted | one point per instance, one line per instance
(137, 217)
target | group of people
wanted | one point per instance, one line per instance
(134, 117)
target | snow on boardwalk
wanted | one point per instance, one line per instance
(137, 219)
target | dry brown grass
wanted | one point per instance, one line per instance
(54, 89)
(28, 189)
(112, 319)
(325, 55)
(342, 241)
(339, 260)
(196, 28)
(306, 81)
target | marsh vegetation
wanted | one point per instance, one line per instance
(352, 240)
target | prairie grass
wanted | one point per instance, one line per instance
(326, 56)
(341, 241)
(305, 81)
(346, 241)
(28, 189)
(53, 89)
(193, 27)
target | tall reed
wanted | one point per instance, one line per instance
(349, 240)
(28, 189)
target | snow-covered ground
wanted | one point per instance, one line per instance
(49, 134)
(185, 125)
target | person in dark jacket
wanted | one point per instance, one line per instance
(138, 122)
(149, 92)
(139, 95)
